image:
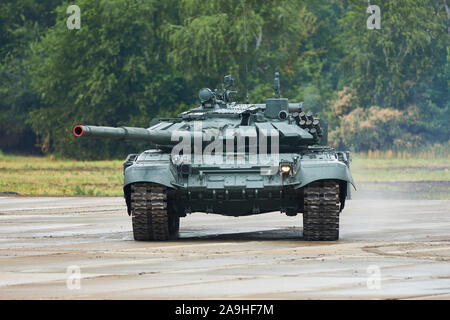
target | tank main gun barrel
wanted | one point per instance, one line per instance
(159, 137)
(124, 133)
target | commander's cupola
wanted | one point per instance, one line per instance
(277, 108)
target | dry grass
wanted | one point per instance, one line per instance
(438, 153)
(383, 166)
(47, 176)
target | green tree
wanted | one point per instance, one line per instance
(21, 22)
(134, 60)
(404, 65)
(112, 71)
(210, 41)
(401, 62)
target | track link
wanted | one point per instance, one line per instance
(150, 218)
(321, 211)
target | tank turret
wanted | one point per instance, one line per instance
(219, 118)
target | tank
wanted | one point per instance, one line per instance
(233, 159)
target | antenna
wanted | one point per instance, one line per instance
(276, 85)
(245, 51)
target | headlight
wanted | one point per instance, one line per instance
(285, 168)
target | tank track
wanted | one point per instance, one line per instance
(150, 217)
(321, 211)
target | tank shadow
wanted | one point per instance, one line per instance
(224, 234)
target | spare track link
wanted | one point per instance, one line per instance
(321, 211)
(149, 211)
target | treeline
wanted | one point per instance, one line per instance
(133, 60)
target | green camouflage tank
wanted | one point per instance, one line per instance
(233, 159)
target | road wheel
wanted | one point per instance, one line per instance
(321, 211)
(149, 211)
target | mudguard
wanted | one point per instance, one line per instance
(156, 172)
(318, 170)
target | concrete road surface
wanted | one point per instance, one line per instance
(82, 248)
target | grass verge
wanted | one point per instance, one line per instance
(46, 176)
(27, 175)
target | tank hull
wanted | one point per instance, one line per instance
(238, 186)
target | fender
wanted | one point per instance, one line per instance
(314, 170)
(318, 170)
(154, 171)
(157, 172)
